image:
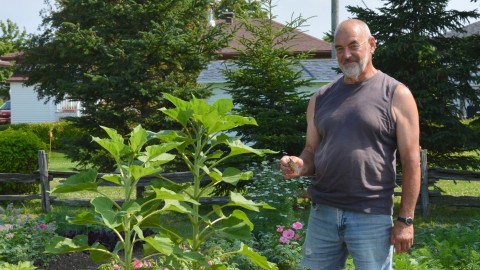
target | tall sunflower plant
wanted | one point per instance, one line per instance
(203, 143)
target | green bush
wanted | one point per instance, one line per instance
(63, 132)
(19, 152)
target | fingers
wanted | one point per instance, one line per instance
(288, 167)
(402, 238)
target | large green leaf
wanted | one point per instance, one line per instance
(180, 207)
(84, 218)
(166, 194)
(113, 178)
(115, 145)
(233, 175)
(59, 244)
(162, 244)
(236, 199)
(256, 258)
(138, 137)
(238, 148)
(104, 207)
(236, 226)
(181, 113)
(83, 181)
(138, 171)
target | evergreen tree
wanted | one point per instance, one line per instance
(241, 8)
(265, 81)
(117, 57)
(439, 69)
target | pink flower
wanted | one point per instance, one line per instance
(147, 264)
(137, 264)
(296, 237)
(210, 262)
(165, 268)
(42, 226)
(116, 267)
(288, 233)
(280, 228)
(283, 240)
(297, 225)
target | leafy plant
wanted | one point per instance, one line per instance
(18, 266)
(200, 144)
(269, 186)
(23, 238)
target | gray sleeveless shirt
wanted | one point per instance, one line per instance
(355, 160)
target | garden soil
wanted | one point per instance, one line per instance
(77, 261)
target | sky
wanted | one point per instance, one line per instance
(26, 13)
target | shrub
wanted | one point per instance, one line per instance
(64, 132)
(19, 152)
(269, 186)
(23, 238)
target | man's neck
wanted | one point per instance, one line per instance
(365, 75)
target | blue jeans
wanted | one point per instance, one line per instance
(333, 233)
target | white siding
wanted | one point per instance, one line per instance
(26, 108)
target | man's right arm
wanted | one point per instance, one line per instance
(305, 162)
(312, 140)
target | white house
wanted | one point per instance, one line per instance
(27, 108)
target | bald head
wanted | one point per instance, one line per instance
(359, 27)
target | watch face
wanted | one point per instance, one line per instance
(407, 220)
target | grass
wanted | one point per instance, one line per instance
(58, 161)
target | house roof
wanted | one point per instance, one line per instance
(11, 56)
(4, 63)
(470, 30)
(16, 77)
(319, 70)
(302, 43)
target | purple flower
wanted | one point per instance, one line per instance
(283, 240)
(288, 233)
(297, 225)
(42, 226)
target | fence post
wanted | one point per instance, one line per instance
(44, 181)
(424, 199)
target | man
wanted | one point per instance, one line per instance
(355, 126)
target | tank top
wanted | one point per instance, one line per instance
(355, 164)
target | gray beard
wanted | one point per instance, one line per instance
(353, 71)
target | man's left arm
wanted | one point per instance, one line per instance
(408, 136)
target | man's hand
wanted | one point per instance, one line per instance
(401, 237)
(291, 166)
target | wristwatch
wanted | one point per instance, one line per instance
(406, 220)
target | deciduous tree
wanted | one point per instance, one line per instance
(11, 39)
(116, 57)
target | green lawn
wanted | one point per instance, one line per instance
(59, 162)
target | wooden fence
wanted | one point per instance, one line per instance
(429, 177)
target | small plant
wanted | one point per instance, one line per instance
(23, 238)
(269, 186)
(203, 144)
(284, 246)
(18, 266)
